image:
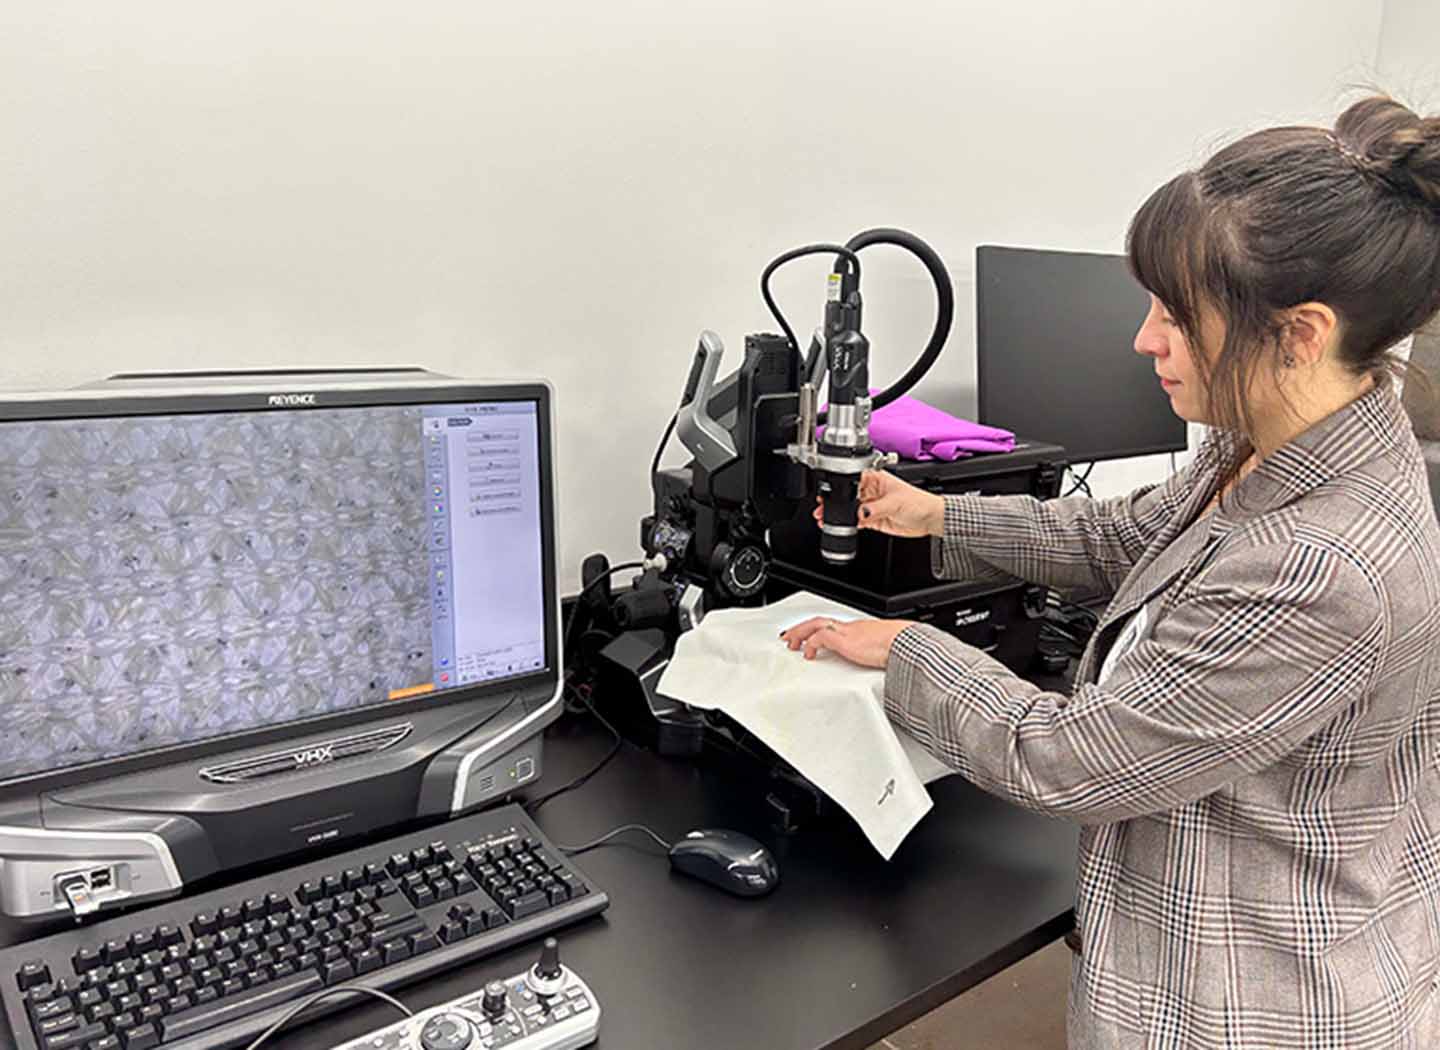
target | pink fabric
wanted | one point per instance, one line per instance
(919, 431)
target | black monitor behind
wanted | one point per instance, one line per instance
(1054, 333)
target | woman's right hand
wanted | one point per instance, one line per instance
(896, 507)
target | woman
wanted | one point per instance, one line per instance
(1252, 741)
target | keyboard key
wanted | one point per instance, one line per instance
(169, 935)
(309, 892)
(99, 1013)
(450, 931)
(374, 873)
(254, 908)
(340, 970)
(353, 878)
(57, 1007)
(395, 951)
(88, 997)
(141, 1037)
(32, 975)
(465, 884)
(86, 959)
(277, 903)
(109, 1042)
(331, 884)
(423, 942)
(528, 904)
(230, 916)
(55, 1025)
(75, 1037)
(572, 882)
(152, 1012)
(369, 959)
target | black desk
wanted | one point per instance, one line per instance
(847, 950)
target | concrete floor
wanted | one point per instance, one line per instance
(1022, 1008)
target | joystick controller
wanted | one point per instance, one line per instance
(547, 1007)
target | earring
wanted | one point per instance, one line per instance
(1288, 360)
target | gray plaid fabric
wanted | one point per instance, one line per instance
(1257, 778)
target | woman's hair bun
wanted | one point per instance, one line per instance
(1386, 138)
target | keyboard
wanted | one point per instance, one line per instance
(214, 970)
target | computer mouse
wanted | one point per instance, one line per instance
(734, 862)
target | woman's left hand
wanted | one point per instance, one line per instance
(863, 642)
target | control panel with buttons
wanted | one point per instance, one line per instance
(547, 1007)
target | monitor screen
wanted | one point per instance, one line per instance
(169, 579)
(1055, 357)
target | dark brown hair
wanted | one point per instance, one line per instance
(1349, 218)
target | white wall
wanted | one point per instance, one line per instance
(575, 189)
(1409, 52)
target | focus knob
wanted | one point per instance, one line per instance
(494, 1002)
(446, 1032)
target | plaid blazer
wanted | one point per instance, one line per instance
(1256, 778)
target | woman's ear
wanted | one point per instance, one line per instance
(1307, 333)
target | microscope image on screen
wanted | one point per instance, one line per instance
(166, 579)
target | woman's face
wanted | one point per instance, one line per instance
(1160, 339)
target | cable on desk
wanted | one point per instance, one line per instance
(339, 989)
(583, 694)
(572, 851)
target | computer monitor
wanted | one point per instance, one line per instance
(195, 566)
(1054, 335)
